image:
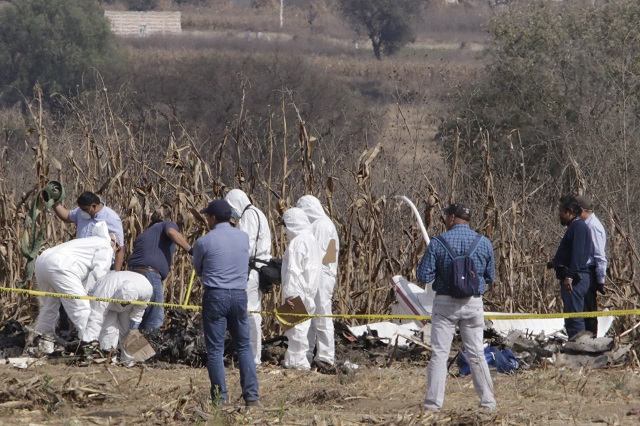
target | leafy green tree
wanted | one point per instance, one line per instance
(389, 24)
(53, 43)
(558, 105)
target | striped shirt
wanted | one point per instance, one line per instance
(436, 263)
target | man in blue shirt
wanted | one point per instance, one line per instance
(597, 263)
(152, 256)
(570, 262)
(90, 210)
(221, 258)
(467, 313)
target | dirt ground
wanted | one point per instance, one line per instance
(170, 394)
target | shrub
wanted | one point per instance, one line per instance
(53, 43)
(141, 5)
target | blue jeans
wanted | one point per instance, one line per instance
(574, 302)
(153, 315)
(222, 310)
(591, 302)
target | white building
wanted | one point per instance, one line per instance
(143, 24)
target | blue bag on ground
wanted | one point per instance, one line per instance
(504, 361)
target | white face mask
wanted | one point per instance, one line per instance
(235, 214)
(85, 215)
(289, 233)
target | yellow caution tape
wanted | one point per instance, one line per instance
(97, 299)
(278, 317)
(284, 321)
(615, 313)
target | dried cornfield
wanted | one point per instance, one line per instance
(136, 167)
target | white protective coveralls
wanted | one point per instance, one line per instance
(254, 223)
(71, 268)
(321, 334)
(110, 322)
(301, 271)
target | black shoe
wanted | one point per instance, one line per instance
(326, 368)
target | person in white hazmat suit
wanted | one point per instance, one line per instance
(72, 268)
(301, 271)
(110, 322)
(252, 221)
(321, 334)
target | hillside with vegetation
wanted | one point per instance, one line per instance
(544, 108)
(505, 105)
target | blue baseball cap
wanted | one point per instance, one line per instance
(218, 208)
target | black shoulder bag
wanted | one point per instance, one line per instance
(270, 273)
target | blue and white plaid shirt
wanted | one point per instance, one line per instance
(436, 262)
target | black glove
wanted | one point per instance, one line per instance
(190, 251)
(600, 288)
(550, 264)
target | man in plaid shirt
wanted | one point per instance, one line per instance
(466, 313)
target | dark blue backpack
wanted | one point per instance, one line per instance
(463, 279)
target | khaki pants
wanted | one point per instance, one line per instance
(468, 315)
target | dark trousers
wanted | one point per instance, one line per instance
(224, 310)
(591, 303)
(574, 302)
(63, 321)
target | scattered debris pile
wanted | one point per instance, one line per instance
(181, 340)
(582, 350)
(384, 343)
(13, 338)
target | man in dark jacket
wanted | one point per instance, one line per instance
(570, 262)
(152, 256)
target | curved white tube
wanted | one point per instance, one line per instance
(425, 235)
(427, 303)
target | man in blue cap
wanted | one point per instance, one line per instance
(221, 258)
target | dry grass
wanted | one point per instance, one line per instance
(380, 396)
(136, 157)
(276, 161)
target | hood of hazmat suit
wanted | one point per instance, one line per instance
(323, 229)
(252, 221)
(312, 207)
(238, 201)
(302, 261)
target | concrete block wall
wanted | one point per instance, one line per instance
(144, 24)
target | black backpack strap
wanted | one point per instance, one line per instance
(451, 251)
(474, 245)
(245, 209)
(252, 260)
(445, 244)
